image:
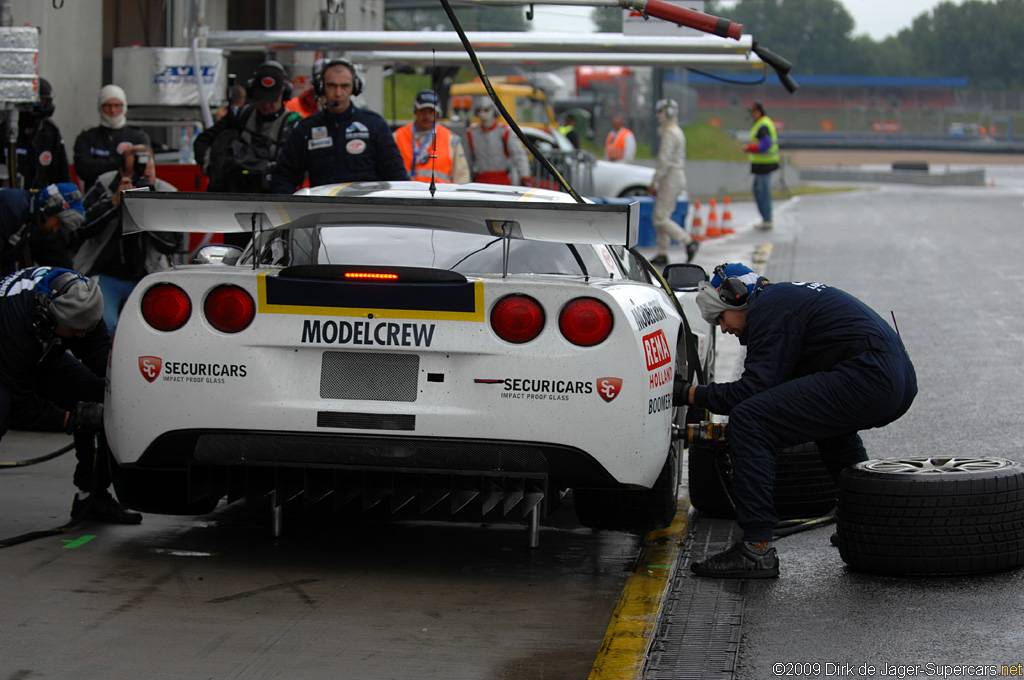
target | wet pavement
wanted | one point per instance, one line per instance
(218, 596)
(946, 262)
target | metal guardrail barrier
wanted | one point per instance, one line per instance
(891, 141)
(577, 167)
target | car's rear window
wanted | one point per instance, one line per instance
(455, 251)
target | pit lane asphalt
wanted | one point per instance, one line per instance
(214, 598)
(947, 262)
(218, 597)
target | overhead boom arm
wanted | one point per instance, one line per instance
(690, 18)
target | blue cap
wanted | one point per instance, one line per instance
(427, 99)
(735, 269)
(56, 198)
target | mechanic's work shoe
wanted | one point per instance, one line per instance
(764, 226)
(691, 250)
(104, 508)
(659, 260)
(834, 539)
(739, 561)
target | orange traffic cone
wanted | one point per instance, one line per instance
(697, 226)
(727, 217)
(713, 231)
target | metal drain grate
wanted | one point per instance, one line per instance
(698, 633)
(783, 261)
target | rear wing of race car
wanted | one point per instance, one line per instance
(505, 215)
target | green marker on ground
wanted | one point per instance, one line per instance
(82, 540)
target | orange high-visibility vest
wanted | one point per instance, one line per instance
(440, 168)
(615, 145)
(305, 104)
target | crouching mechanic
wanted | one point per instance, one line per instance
(820, 366)
(45, 311)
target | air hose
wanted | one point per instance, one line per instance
(75, 519)
(795, 526)
(41, 459)
(716, 432)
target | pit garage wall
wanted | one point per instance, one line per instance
(75, 43)
(76, 40)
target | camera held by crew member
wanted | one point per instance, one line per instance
(52, 365)
(121, 262)
(39, 227)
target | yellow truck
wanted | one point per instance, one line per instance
(526, 104)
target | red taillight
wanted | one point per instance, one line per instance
(517, 318)
(585, 321)
(166, 307)
(229, 308)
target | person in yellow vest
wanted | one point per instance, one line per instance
(763, 152)
(429, 149)
(569, 130)
(621, 142)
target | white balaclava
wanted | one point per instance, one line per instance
(486, 114)
(108, 92)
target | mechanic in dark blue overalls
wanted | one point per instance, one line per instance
(44, 313)
(820, 366)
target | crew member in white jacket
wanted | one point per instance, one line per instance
(495, 154)
(669, 182)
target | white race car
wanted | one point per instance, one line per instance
(606, 179)
(466, 354)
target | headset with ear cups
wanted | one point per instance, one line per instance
(732, 291)
(286, 93)
(42, 321)
(669, 105)
(58, 286)
(318, 77)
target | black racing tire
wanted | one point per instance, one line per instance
(928, 516)
(634, 192)
(804, 489)
(629, 510)
(710, 479)
(161, 492)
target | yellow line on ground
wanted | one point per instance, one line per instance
(761, 255)
(631, 631)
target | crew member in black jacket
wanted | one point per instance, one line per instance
(44, 312)
(99, 149)
(341, 142)
(42, 158)
(820, 366)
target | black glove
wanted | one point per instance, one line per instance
(680, 391)
(86, 417)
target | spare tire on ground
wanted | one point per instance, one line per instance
(939, 515)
